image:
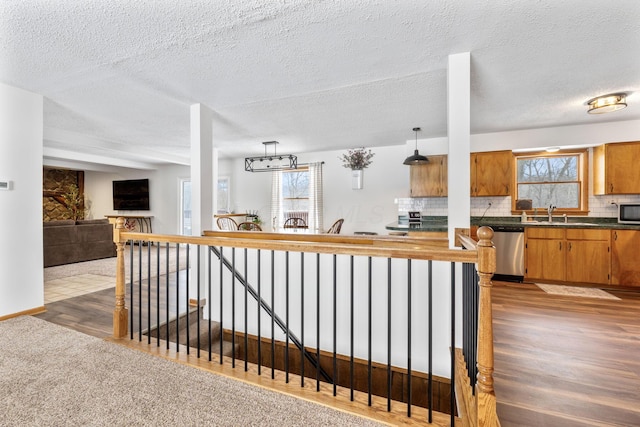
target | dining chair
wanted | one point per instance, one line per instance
(249, 226)
(295, 223)
(227, 224)
(335, 228)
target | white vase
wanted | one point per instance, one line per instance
(356, 179)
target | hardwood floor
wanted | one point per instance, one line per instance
(560, 361)
(566, 361)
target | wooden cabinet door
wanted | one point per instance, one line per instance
(615, 168)
(545, 259)
(429, 180)
(588, 261)
(491, 173)
(625, 257)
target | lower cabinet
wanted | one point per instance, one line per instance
(568, 255)
(625, 264)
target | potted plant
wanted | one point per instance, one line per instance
(357, 159)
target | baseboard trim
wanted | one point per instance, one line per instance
(30, 312)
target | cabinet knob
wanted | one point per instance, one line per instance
(611, 188)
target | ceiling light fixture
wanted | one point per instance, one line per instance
(272, 162)
(416, 158)
(607, 103)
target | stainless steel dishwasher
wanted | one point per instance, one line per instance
(509, 243)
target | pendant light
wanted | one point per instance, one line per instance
(416, 158)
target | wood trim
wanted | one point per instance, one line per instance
(466, 399)
(383, 246)
(29, 312)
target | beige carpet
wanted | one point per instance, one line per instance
(576, 291)
(53, 376)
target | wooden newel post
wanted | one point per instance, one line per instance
(120, 312)
(485, 394)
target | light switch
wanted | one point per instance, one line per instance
(5, 185)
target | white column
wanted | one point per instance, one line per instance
(21, 258)
(459, 131)
(202, 184)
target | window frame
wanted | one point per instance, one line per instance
(583, 180)
(298, 170)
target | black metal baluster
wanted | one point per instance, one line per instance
(389, 335)
(158, 292)
(221, 302)
(233, 308)
(167, 292)
(210, 299)
(131, 287)
(351, 328)
(286, 316)
(187, 297)
(369, 280)
(140, 291)
(453, 343)
(335, 325)
(259, 317)
(273, 309)
(149, 295)
(177, 297)
(430, 340)
(318, 321)
(409, 337)
(302, 350)
(198, 283)
(246, 316)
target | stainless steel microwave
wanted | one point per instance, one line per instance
(629, 213)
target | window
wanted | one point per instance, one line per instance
(553, 179)
(298, 194)
(185, 204)
(295, 194)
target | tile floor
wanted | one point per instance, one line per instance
(73, 286)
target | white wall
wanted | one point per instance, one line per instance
(164, 194)
(368, 209)
(21, 259)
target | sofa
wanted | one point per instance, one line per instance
(69, 241)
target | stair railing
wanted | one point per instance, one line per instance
(476, 410)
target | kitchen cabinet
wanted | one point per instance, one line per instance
(568, 254)
(544, 254)
(625, 268)
(588, 257)
(615, 168)
(491, 173)
(429, 180)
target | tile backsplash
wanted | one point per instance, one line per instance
(599, 206)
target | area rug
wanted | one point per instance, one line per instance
(576, 291)
(53, 376)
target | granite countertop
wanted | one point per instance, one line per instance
(572, 222)
(439, 223)
(428, 223)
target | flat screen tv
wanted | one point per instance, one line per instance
(131, 195)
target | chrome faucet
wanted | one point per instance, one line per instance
(550, 212)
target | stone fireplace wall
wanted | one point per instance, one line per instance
(55, 184)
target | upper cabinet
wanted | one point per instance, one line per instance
(615, 168)
(491, 173)
(430, 180)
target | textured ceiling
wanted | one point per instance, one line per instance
(119, 76)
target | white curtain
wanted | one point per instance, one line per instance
(316, 203)
(276, 200)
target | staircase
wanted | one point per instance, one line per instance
(181, 331)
